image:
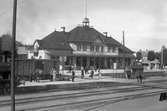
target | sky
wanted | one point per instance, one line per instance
(144, 21)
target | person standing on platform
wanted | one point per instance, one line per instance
(53, 74)
(99, 73)
(82, 72)
(86, 70)
(140, 79)
(73, 75)
(92, 73)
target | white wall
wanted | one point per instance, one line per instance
(88, 52)
(42, 54)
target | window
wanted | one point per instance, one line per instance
(102, 49)
(79, 47)
(84, 47)
(91, 48)
(97, 48)
(114, 49)
(52, 57)
(109, 49)
(36, 53)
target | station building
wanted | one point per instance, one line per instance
(83, 46)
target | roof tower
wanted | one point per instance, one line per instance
(85, 21)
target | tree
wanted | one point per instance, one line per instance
(158, 55)
(151, 55)
(138, 55)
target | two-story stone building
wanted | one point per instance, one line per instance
(83, 46)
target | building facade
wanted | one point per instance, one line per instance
(83, 46)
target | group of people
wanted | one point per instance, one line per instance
(138, 75)
(84, 71)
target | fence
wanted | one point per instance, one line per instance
(26, 68)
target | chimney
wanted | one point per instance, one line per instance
(63, 28)
(105, 33)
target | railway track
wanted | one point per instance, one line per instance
(124, 98)
(74, 95)
(94, 102)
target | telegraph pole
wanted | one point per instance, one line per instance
(123, 52)
(13, 56)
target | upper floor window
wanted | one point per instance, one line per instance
(36, 53)
(97, 48)
(79, 47)
(91, 48)
(114, 49)
(102, 49)
(109, 49)
(84, 47)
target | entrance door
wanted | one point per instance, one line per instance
(84, 62)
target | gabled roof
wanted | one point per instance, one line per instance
(56, 40)
(59, 40)
(52, 45)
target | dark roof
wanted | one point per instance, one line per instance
(111, 41)
(55, 40)
(125, 49)
(89, 34)
(30, 47)
(59, 40)
(85, 34)
(56, 36)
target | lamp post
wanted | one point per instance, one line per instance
(13, 56)
(162, 56)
